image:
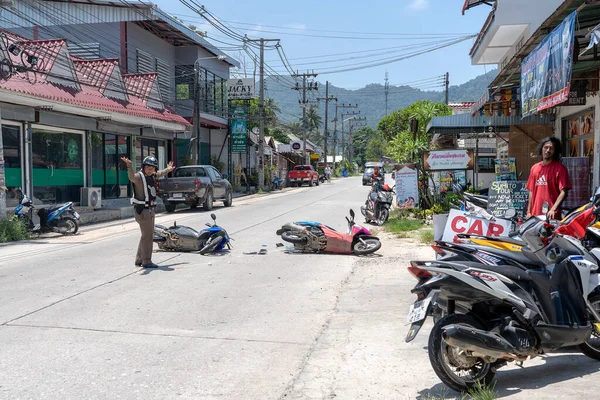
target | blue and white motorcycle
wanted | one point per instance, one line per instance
(183, 238)
(60, 218)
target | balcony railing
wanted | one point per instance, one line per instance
(212, 95)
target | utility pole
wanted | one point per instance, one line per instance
(311, 86)
(447, 83)
(386, 90)
(356, 112)
(261, 111)
(360, 122)
(325, 131)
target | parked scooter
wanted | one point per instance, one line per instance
(276, 183)
(58, 218)
(378, 204)
(314, 236)
(183, 238)
(499, 314)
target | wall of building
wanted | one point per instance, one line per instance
(523, 144)
(592, 105)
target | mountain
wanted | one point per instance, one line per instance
(371, 98)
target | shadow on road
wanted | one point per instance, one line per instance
(556, 368)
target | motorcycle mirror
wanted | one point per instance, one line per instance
(213, 216)
(352, 213)
(510, 213)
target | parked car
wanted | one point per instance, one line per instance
(195, 185)
(302, 174)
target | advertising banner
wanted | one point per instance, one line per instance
(407, 186)
(506, 169)
(461, 223)
(546, 71)
(504, 195)
(238, 136)
(241, 89)
(448, 159)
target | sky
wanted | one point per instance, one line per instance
(331, 35)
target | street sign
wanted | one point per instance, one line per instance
(238, 136)
(240, 89)
(448, 159)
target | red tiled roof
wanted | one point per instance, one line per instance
(95, 73)
(140, 85)
(90, 98)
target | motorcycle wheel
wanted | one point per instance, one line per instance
(211, 244)
(370, 246)
(456, 370)
(591, 347)
(384, 214)
(67, 226)
(292, 237)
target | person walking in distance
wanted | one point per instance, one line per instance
(548, 182)
(144, 204)
(327, 171)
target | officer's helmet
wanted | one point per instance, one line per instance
(151, 161)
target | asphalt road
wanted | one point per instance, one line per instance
(79, 321)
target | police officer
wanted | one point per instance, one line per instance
(144, 204)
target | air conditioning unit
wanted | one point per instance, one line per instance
(123, 190)
(91, 197)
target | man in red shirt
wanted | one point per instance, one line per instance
(548, 182)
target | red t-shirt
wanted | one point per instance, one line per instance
(545, 184)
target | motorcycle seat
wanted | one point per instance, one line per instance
(509, 271)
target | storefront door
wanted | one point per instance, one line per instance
(108, 171)
(58, 167)
(13, 159)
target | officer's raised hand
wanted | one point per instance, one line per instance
(170, 166)
(126, 160)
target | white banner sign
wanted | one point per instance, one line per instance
(461, 223)
(407, 188)
(240, 89)
(447, 159)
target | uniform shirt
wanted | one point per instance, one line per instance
(138, 187)
(545, 184)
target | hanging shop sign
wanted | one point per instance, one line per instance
(238, 136)
(546, 71)
(240, 89)
(448, 159)
(576, 97)
(407, 186)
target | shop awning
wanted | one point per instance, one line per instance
(465, 123)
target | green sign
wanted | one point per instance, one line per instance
(238, 136)
(239, 112)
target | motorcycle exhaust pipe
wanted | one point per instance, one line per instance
(480, 342)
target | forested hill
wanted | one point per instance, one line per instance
(371, 98)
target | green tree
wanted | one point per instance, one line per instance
(312, 122)
(360, 140)
(376, 147)
(404, 146)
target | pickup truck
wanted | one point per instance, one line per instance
(303, 174)
(193, 185)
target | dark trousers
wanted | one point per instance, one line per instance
(146, 222)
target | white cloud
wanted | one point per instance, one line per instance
(419, 4)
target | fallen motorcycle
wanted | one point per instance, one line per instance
(314, 236)
(183, 238)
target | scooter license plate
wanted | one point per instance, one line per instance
(177, 195)
(418, 311)
(76, 214)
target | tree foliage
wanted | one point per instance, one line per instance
(395, 128)
(360, 140)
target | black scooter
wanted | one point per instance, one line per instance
(378, 204)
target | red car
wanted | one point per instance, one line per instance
(303, 174)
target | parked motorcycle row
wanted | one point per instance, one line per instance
(508, 299)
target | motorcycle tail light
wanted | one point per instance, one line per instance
(438, 250)
(197, 183)
(418, 272)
